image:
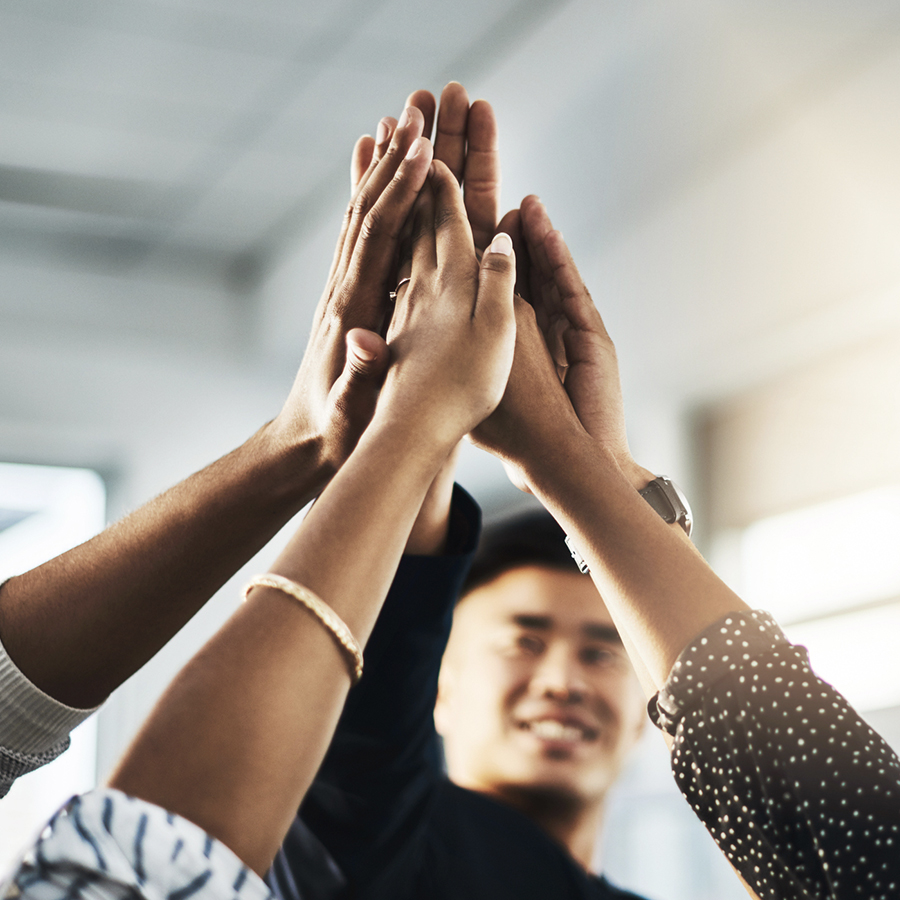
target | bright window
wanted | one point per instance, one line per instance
(830, 574)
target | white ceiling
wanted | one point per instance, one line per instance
(172, 172)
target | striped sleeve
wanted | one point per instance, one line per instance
(106, 845)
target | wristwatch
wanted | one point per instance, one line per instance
(666, 498)
(669, 501)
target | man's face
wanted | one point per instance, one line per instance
(536, 690)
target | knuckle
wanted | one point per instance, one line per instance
(496, 262)
(341, 302)
(482, 185)
(361, 205)
(463, 283)
(446, 217)
(373, 224)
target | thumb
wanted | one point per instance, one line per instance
(355, 393)
(497, 279)
(367, 356)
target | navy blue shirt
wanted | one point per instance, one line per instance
(382, 820)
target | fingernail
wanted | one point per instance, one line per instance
(362, 354)
(502, 243)
(404, 119)
(382, 132)
(414, 148)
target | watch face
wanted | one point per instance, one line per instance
(669, 501)
(683, 514)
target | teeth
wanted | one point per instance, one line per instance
(550, 730)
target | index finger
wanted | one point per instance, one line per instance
(536, 226)
(578, 306)
(481, 177)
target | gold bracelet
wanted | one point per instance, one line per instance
(322, 611)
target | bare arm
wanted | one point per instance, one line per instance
(560, 429)
(82, 623)
(236, 740)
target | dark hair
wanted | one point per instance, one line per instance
(527, 539)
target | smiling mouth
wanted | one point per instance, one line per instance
(554, 730)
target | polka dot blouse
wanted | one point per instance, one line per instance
(798, 792)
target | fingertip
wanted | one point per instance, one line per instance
(502, 243)
(411, 120)
(424, 101)
(364, 146)
(421, 146)
(363, 152)
(482, 110)
(385, 130)
(511, 222)
(420, 97)
(535, 217)
(366, 346)
(454, 91)
(440, 172)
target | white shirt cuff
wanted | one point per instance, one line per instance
(31, 721)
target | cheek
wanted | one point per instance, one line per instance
(488, 688)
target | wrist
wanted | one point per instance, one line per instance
(413, 441)
(422, 429)
(637, 475)
(429, 533)
(294, 460)
(561, 470)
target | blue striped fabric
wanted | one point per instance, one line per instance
(107, 846)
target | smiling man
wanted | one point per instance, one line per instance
(538, 703)
(538, 707)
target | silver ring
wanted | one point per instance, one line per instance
(393, 294)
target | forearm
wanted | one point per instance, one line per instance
(384, 760)
(658, 588)
(237, 739)
(429, 533)
(81, 624)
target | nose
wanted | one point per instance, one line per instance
(559, 675)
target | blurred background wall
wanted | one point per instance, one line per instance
(172, 178)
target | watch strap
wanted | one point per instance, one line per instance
(666, 499)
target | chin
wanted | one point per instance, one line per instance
(540, 796)
(570, 780)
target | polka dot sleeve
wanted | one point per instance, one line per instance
(798, 792)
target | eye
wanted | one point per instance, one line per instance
(598, 655)
(529, 644)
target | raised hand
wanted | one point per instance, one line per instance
(566, 370)
(452, 333)
(451, 341)
(465, 140)
(336, 387)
